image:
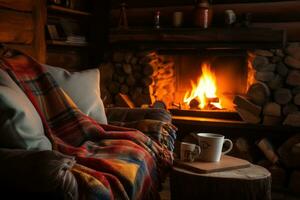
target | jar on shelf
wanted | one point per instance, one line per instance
(202, 14)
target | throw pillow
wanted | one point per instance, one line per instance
(20, 124)
(84, 89)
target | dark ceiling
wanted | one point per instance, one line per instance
(153, 3)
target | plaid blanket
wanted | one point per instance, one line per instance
(112, 162)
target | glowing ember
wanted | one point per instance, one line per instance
(205, 92)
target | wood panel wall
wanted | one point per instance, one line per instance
(22, 26)
(274, 14)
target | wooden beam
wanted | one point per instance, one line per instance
(197, 38)
(39, 15)
(292, 29)
(23, 5)
(16, 27)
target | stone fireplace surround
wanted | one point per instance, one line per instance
(264, 128)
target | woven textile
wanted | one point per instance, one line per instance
(112, 162)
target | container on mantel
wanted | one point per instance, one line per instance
(202, 14)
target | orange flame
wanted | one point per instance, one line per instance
(205, 89)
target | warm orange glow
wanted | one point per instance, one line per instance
(250, 71)
(205, 89)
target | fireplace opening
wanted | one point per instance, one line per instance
(210, 80)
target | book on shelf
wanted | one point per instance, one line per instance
(76, 39)
(52, 31)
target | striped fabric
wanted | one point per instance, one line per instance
(112, 162)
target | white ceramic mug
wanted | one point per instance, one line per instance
(211, 146)
(189, 152)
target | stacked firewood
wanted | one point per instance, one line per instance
(274, 97)
(136, 78)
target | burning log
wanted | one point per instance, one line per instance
(194, 104)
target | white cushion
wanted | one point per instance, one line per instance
(20, 124)
(84, 89)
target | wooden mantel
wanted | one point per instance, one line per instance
(193, 38)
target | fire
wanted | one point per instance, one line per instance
(205, 92)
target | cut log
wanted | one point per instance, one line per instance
(106, 71)
(293, 78)
(279, 176)
(265, 53)
(122, 100)
(276, 59)
(259, 61)
(276, 83)
(234, 184)
(264, 76)
(127, 68)
(194, 104)
(282, 69)
(130, 80)
(297, 100)
(272, 109)
(294, 183)
(296, 148)
(289, 108)
(128, 56)
(147, 81)
(248, 116)
(134, 60)
(289, 157)
(267, 68)
(292, 62)
(114, 87)
(293, 51)
(296, 90)
(279, 52)
(258, 93)
(242, 149)
(124, 89)
(271, 120)
(148, 70)
(292, 119)
(267, 149)
(244, 103)
(283, 96)
(118, 56)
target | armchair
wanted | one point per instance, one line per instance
(106, 161)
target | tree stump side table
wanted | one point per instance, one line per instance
(251, 183)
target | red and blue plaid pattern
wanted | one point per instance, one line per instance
(113, 162)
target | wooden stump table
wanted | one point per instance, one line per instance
(251, 183)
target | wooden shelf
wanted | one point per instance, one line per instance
(184, 38)
(68, 10)
(64, 43)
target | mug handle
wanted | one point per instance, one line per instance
(197, 150)
(230, 148)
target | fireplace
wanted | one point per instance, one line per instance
(208, 80)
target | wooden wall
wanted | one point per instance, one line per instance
(273, 14)
(22, 26)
